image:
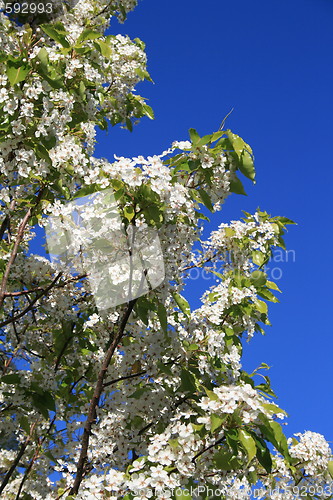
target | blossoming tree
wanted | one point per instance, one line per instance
(144, 399)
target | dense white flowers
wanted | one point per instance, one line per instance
(313, 450)
(158, 388)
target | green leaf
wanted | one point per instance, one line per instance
(273, 286)
(187, 382)
(12, 378)
(88, 34)
(143, 74)
(174, 443)
(211, 394)
(49, 142)
(128, 212)
(56, 34)
(205, 199)
(248, 444)
(142, 308)
(17, 71)
(49, 401)
(236, 186)
(263, 453)
(330, 468)
(138, 393)
(258, 258)
(148, 111)
(164, 368)
(229, 232)
(43, 58)
(24, 423)
(104, 48)
(216, 136)
(204, 140)
(162, 316)
(198, 427)
(232, 440)
(41, 152)
(90, 189)
(261, 306)
(284, 220)
(273, 432)
(182, 494)
(82, 90)
(43, 402)
(273, 409)
(237, 143)
(182, 304)
(246, 165)
(194, 136)
(216, 422)
(258, 278)
(225, 460)
(266, 294)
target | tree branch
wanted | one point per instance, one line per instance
(13, 254)
(91, 418)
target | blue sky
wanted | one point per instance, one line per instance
(271, 62)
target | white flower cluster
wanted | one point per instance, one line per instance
(47, 114)
(225, 241)
(224, 296)
(184, 445)
(312, 449)
(100, 10)
(229, 398)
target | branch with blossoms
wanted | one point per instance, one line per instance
(142, 393)
(43, 289)
(17, 243)
(91, 418)
(18, 457)
(32, 303)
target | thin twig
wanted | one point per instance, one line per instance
(124, 378)
(42, 288)
(32, 303)
(13, 255)
(32, 310)
(225, 119)
(219, 441)
(18, 458)
(14, 251)
(34, 458)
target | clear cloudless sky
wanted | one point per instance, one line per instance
(272, 62)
